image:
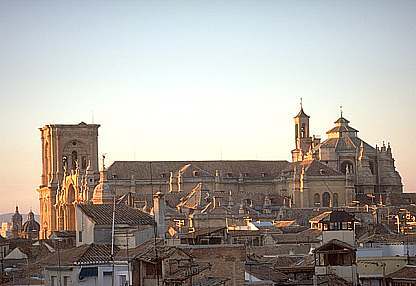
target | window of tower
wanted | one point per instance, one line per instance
(335, 200)
(326, 200)
(296, 130)
(84, 162)
(303, 131)
(316, 200)
(372, 167)
(74, 158)
(345, 165)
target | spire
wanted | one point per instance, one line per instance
(340, 108)
(301, 113)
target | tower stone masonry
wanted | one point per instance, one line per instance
(66, 149)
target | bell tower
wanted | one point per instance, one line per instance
(65, 148)
(303, 141)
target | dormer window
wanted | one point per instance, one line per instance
(245, 174)
(196, 173)
(229, 174)
(263, 174)
(163, 175)
(115, 176)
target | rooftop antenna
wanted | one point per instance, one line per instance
(112, 238)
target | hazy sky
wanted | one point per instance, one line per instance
(183, 80)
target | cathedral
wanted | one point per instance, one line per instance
(336, 172)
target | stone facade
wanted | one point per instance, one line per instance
(69, 173)
(333, 173)
(370, 170)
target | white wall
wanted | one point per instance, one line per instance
(86, 226)
(347, 236)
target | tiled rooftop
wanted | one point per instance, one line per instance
(103, 214)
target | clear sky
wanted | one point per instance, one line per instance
(182, 80)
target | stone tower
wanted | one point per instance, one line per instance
(303, 141)
(16, 223)
(65, 148)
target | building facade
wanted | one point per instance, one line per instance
(333, 173)
(69, 173)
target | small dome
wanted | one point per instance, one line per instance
(31, 225)
(102, 192)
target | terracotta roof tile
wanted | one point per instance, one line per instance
(267, 273)
(408, 272)
(84, 254)
(103, 214)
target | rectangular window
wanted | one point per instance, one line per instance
(67, 281)
(53, 281)
(79, 236)
(122, 280)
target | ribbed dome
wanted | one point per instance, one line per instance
(31, 225)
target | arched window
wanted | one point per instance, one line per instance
(326, 200)
(296, 130)
(372, 167)
(345, 165)
(84, 162)
(249, 202)
(74, 158)
(335, 200)
(316, 200)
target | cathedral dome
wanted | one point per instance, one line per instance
(31, 225)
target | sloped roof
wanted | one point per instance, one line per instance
(203, 231)
(305, 236)
(338, 216)
(313, 168)
(103, 214)
(333, 216)
(266, 273)
(193, 199)
(342, 128)
(342, 120)
(16, 254)
(302, 113)
(408, 272)
(147, 251)
(346, 143)
(155, 169)
(210, 281)
(84, 254)
(334, 245)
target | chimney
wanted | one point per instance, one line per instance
(159, 207)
